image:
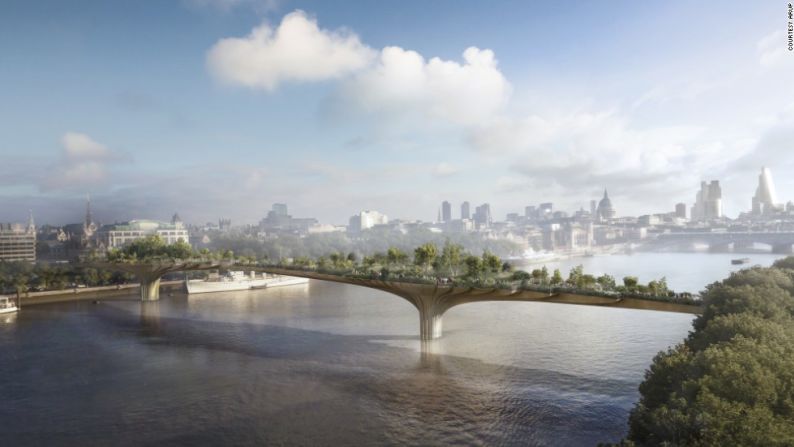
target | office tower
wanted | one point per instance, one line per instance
(446, 211)
(465, 212)
(708, 202)
(765, 199)
(680, 210)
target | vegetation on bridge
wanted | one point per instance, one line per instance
(731, 382)
(453, 265)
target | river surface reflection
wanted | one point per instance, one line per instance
(322, 364)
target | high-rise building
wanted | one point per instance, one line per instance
(18, 242)
(465, 211)
(765, 199)
(680, 210)
(530, 212)
(482, 215)
(708, 202)
(605, 211)
(446, 211)
(279, 209)
(593, 208)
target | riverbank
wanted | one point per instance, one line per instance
(90, 293)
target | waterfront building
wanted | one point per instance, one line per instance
(120, 234)
(708, 202)
(465, 210)
(765, 198)
(605, 211)
(365, 220)
(18, 241)
(446, 211)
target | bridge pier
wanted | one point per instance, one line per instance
(783, 249)
(430, 325)
(150, 288)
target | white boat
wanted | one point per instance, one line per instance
(238, 280)
(7, 306)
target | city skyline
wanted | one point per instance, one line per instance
(195, 127)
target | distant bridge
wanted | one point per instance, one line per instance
(431, 300)
(780, 242)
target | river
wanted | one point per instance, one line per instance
(334, 364)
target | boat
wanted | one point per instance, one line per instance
(740, 261)
(239, 280)
(7, 306)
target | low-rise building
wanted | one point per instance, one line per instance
(120, 234)
(18, 242)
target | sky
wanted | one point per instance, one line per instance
(219, 108)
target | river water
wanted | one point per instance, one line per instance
(332, 364)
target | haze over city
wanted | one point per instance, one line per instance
(220, 108)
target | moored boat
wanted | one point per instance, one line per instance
(7, 306)
(238, 280)
(740, 261)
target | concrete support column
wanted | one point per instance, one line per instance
(150, 288)
(429, 325)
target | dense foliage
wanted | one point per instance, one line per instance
(151, 248)
(23, 277)
(731, 382)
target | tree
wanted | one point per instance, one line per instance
(606, 282)
(731, 382)
(424, 255)
(474, 267)
(575, 276)
(491, 262)
(556, 278)
(630, 282)
(451, 257)
(395, 256)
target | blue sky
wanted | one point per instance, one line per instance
(220, 107)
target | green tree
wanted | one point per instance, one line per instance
(556, 278)
(424, 255)
(474, 267)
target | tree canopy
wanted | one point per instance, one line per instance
(731, 382)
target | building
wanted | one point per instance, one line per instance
(605, 210)
(708, 202)
(18, 242)
(120, 234)
(680, 210)
(482, 216)
(365, 220)
(279, 220)
(465, 210)
(765, 198)
(593, 208)
(530, 212)
(446, 211)
(545, 210)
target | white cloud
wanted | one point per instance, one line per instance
(79, 146)
(403, 82)
(84, 163)
(298, 50)
(445, 169)
(772, 50)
